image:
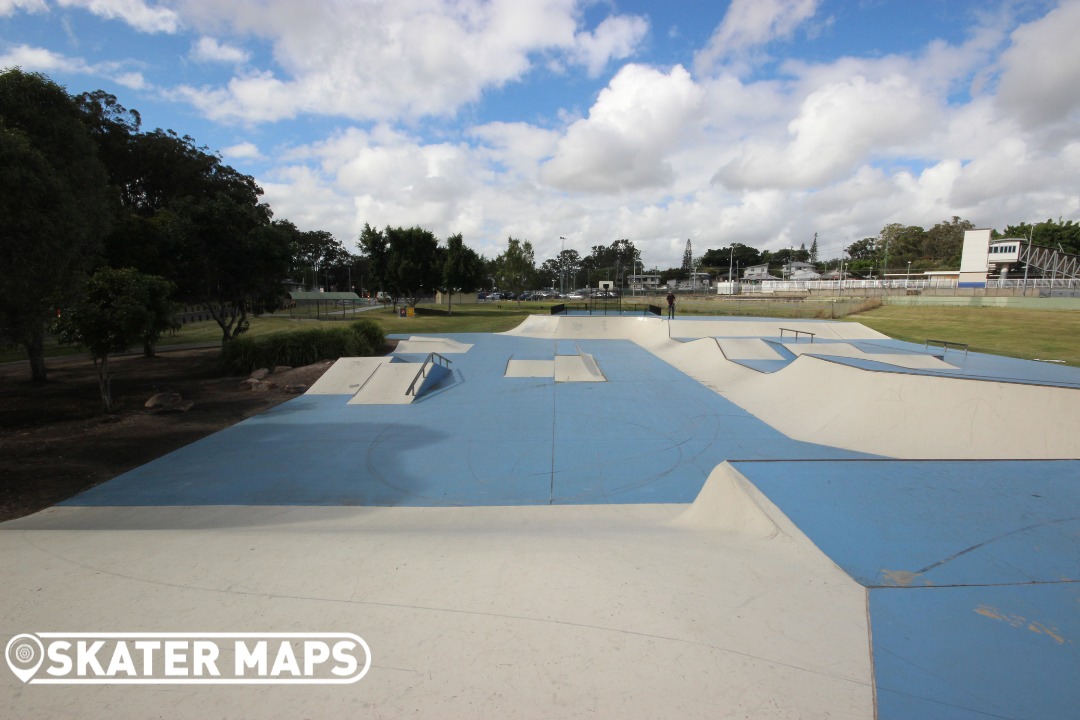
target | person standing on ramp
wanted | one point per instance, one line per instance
(671, 306)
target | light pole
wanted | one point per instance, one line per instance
(907, 278)
(562, 267)
(730, 267)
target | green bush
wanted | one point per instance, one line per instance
(297, 348)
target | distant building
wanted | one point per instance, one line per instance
(758, 272)
(643, 283)
(796, 267)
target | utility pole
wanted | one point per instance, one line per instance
(562, 268)
(730, 267)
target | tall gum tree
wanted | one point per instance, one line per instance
(54, 207)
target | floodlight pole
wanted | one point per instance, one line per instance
(1031, 231)
(562, 270)
(730, 267)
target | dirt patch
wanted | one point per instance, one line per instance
(55, 442)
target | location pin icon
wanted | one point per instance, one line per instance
(24, 654)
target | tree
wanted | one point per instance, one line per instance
(944, 242)
(462, 269)
(404, 261)
(232, 258)
(736, 255)
(54, 207)
(375, 251)
(1065, 235)
(568, 263)
(612, 261)
(316, 254)
(118, 308)
(814, 250)
(688, 259)
(549, 272)
(515, 269)
(865, 249)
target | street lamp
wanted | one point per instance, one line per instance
(562, 267)
(907, 278)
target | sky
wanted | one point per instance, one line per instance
(574, 123)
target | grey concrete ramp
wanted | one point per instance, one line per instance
(613, 611)
(748, 349)
(771, 328)
(529, 368)
(424, 345)
(905, 415)
(729, 503)
(346, 376)
(387, 385)
(910, 360)
(577, 368)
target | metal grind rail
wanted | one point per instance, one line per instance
(431, 359)
(945, 345)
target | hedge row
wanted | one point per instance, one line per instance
(363, 338)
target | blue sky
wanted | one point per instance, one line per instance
(753, 121)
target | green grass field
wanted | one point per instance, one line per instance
(1021, 333)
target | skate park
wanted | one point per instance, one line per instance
(608, 516)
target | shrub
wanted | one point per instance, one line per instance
(363, 338)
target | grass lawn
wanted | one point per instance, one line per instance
(1019, 333)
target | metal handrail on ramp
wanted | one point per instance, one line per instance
(798, 333)
(429, 360)
(946, 344)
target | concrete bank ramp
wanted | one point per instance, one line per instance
(648, 329)
(771, 328)
(910, 360)
(905, 415)
(388, 385)
(564, 368)
(577, 368)
(376, 381)
(748, 349)
(347, 375)
(420, 344)
(729, 503)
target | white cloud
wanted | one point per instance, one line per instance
(1041, 70)
(9, 7)
(207, 49)
(41, 60)
(132, 80)
(135, 13)
(615, 38)
(244, 150)
(637, 120)
(751, 24)
(838, 127)
(388, 60)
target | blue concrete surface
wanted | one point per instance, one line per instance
(971, 653)
(973, 570)
(934, 522)
(648, 434)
